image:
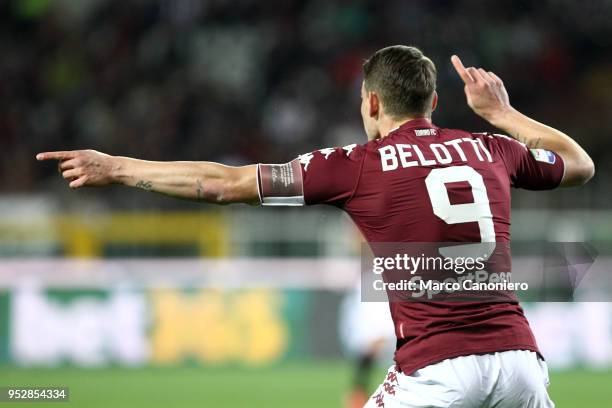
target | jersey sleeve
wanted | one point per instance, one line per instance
(531, 169)
(325, 176)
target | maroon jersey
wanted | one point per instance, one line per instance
(422, 183)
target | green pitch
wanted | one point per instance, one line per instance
(296, 385)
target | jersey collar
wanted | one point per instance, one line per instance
(419, 123)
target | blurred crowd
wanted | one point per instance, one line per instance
(243, 81)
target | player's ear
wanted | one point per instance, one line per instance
(434, 101)
(374, 104)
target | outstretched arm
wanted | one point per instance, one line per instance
(488, 98)
(201, 181)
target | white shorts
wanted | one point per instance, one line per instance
(508, 379)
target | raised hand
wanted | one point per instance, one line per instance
(485, 91)
(82, 167)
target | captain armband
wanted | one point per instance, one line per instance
(280, 184)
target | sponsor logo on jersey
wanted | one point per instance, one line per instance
(349, 148)
(544, 156)
(305, 159)
(327, 151)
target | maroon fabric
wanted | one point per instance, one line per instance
(382, 186)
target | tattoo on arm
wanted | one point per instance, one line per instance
(535, 143)
(145, 185)
(532, 144)
(199, 190)
(520, 138)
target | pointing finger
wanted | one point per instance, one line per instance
(463, 73)
(60, 155)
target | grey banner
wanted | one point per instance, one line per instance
(483, 272)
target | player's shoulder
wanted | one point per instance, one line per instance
(455, 132)
(490, 139)
(503, 142)
(350, 153)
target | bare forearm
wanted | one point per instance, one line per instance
(578, 164)
(534, 134)
(201, 181)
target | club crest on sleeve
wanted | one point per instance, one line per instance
(542, 155)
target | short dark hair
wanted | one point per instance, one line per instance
(404, 79)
